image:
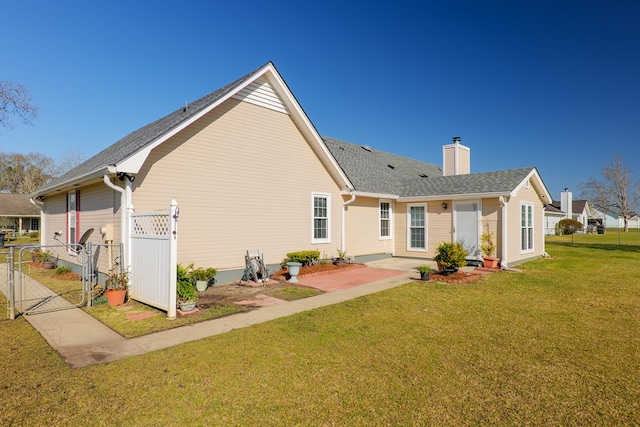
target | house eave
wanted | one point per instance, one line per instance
(371, 195)
(464, 196)
(76, 182)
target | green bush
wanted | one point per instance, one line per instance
(63, 269)
(186, 290)
(304, 257)
(569, 226)
(202, 273)
(451, 255)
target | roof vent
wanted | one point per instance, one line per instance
(186, 107)
(366, 148)
(424, 175)
(391, 166)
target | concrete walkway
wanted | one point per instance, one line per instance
(82, 340)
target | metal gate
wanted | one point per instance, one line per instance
(153, 258)
(21, 276)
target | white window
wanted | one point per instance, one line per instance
(385, 220)
(526, 227)
(417, 228)
(72, 218)
(321, 219)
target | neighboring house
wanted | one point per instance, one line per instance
(18, 214)
(566, 207)
(249, 171)
(612, 220)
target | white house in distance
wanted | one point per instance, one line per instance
(611, 220)
(566, 207)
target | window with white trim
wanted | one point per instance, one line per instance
(526, 227)
(417, 228)
(321, 219)
(34, 224)
(385, 220)
(72, 218)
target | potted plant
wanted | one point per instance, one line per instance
(450, 256)
(202, 277)
(425, 272)
(185, 289)
(116, 287)
(488, 249)
(44, 257)
(341, 258)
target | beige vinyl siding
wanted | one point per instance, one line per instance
(438, 228)
(96, 211)
(491, 213)
(363, 228)
(513, 222)
(243, 177)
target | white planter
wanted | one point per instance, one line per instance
(294, 270)
(201, 285)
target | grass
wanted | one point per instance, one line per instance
(555, 345)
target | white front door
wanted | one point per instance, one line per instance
(467, 231)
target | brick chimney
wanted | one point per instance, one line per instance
(456, 158)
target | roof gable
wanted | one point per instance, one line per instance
(263, 86)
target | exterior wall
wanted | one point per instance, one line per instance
(550, 222)
(492, 222)
(243, 177)
(514, 251)
(97, 209)
(438, 228)
(362, 228)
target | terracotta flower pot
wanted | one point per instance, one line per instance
(115, 296)
(490, 262)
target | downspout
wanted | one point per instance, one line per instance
(344, 215)
(124, 223)
(505, 246)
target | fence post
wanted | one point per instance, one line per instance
(173, 256)
(11, 285)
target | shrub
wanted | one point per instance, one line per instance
(304, 257)
(487, 246)
(569, 226)
(201, 273)
(186, 291)
(451, 255)
(63, 269)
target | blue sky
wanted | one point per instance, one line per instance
(551, 84)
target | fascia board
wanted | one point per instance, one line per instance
(134, 162)
(467, 196)
(81, 180)
(307, 129)
(371, 195)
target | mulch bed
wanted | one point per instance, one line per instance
(461, 276)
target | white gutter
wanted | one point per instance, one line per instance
(344, 215)
(504, 248)
(124, 223)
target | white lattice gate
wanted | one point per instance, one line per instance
(154, 257)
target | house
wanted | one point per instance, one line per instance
(250, 171)
(18, 214)
(566, 207)
(611, 220)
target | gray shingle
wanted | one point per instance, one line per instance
(140, 138)
(376, 171)
(475, 183)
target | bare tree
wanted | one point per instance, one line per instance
(24, 174)
(614, 193)
(15, 99)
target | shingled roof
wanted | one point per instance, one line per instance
(379, 172)
(375, 171)
(17, 205)
(144, 136)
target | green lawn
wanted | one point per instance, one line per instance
(558, 344)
